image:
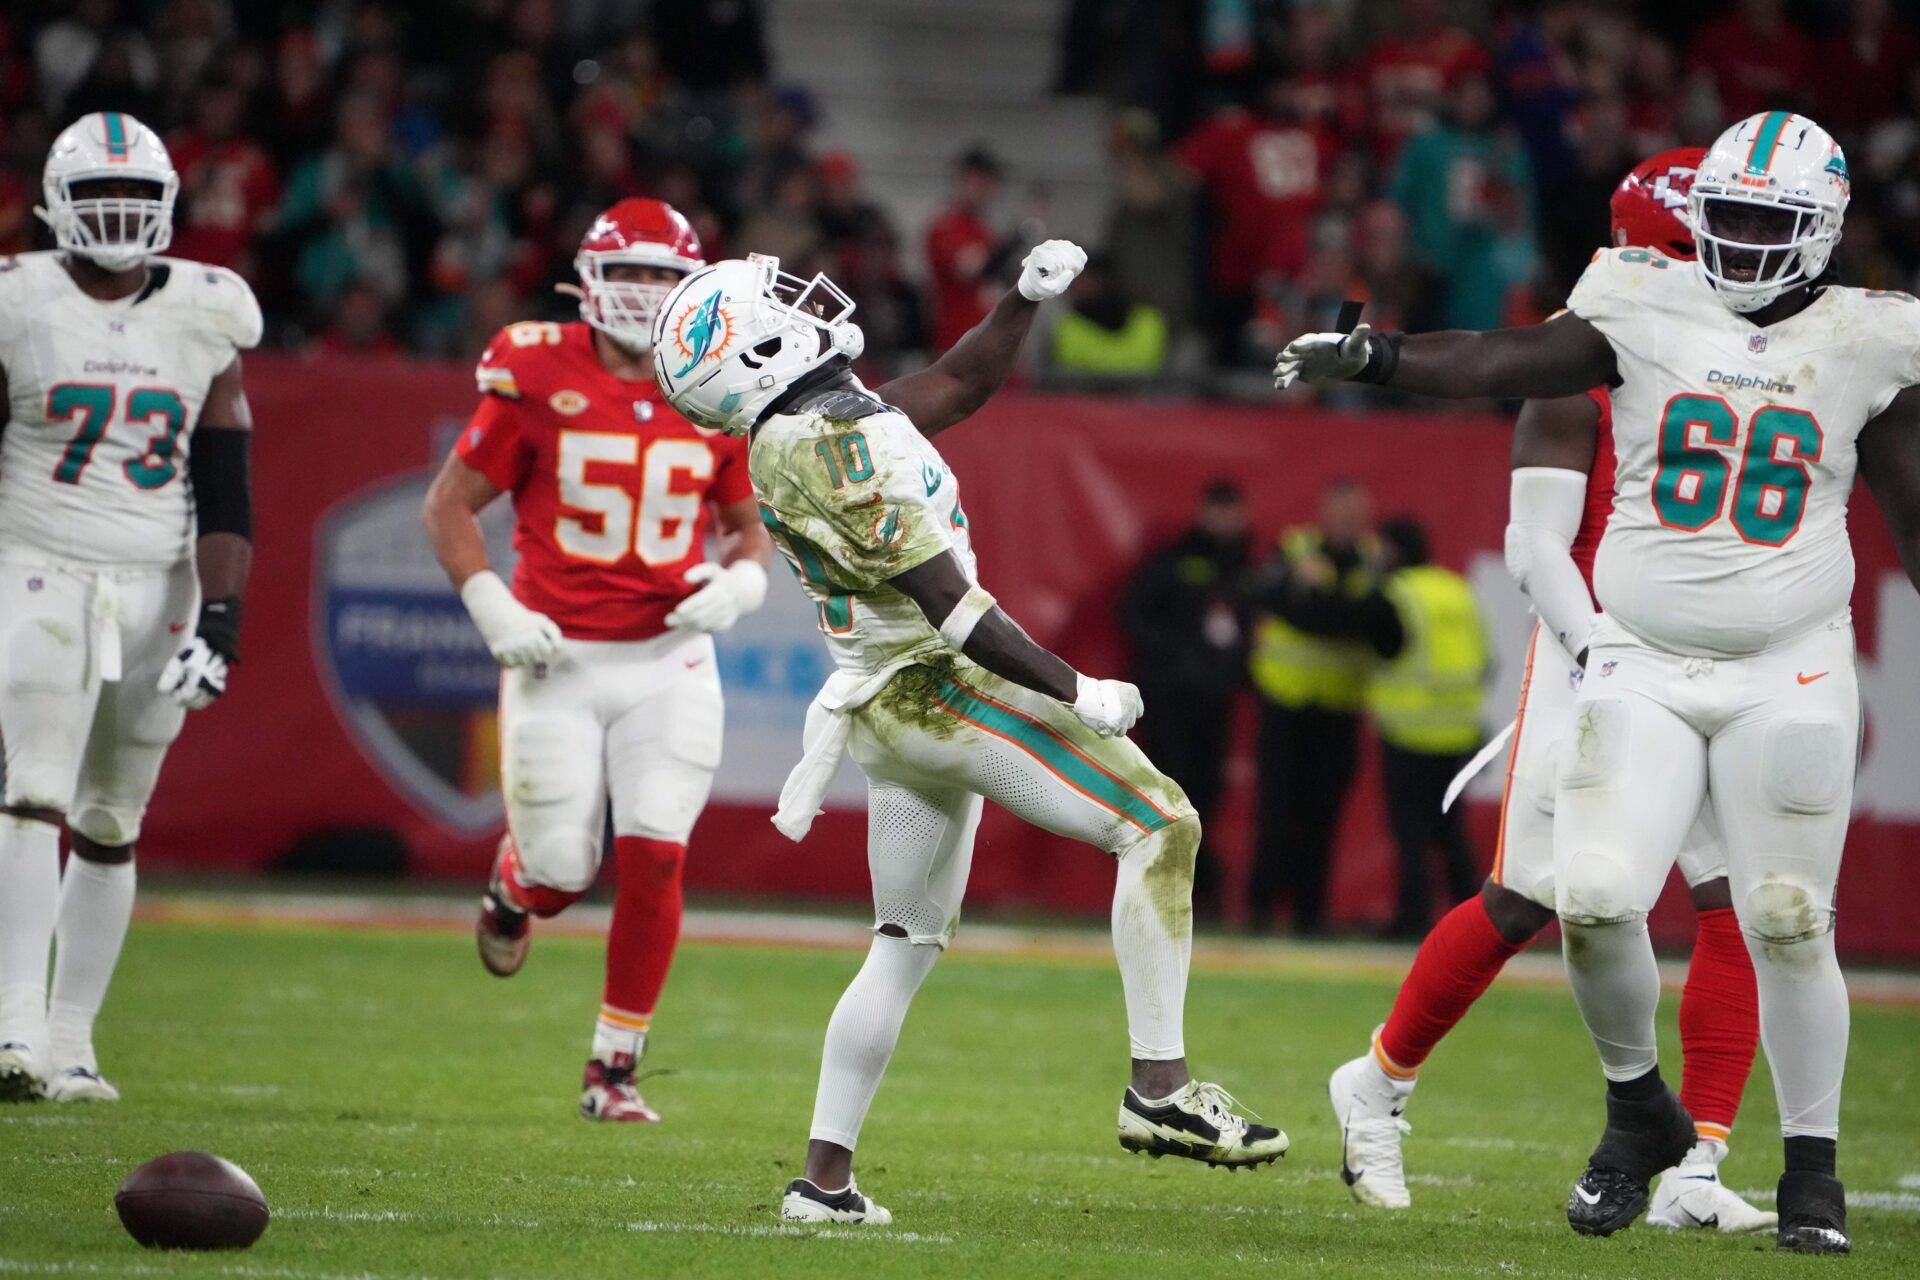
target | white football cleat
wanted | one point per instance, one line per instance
(1691, 1197)
(1198, 1122)
(19, 1073)
(805, 1202)
(80, 1084)
(1367, 1103)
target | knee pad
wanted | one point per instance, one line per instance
(105, 822)
(1806, 766)
(665, 802)
(1594, 752)
(555, 858)
(1596, 889)
(1781, 910)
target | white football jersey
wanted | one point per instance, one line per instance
(854, 495)
(102, 401)
(1736, 451)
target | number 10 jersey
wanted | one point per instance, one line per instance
(102, 401)
(1736, 451)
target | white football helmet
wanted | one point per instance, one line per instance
(116, 232)
(732, 336)
(1766, 206)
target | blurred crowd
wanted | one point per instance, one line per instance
(410, 174)
(1450, 160)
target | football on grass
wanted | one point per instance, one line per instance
(189, 1200)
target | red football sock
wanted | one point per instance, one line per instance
(1719, 1024)
(537, 899)
(1458, 959)
(646, 926)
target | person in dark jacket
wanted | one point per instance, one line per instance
(1184, 613)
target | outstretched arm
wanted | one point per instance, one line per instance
(1890, 463)
(954, 387)
(1562, 357)
(979, 628)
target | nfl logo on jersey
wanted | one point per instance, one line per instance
(1757, 343)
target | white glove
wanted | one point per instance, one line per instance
(1050, 268)
(729, 591)
(1322, 357)
(195, 676)
(516, 635)
(1108, 707)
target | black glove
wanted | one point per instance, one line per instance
(220, 627)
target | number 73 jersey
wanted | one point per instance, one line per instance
(610, 486)
(1736, 451)
(103, 398)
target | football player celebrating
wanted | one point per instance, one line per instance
(1562, 495)
(609, 691)
(1747, 392)
(941, 698)
(125, 540)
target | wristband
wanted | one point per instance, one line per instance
(219, 626)
(1383, 358)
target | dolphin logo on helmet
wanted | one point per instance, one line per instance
(746, 331)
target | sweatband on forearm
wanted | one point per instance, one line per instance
(966, 615)
(222, 491)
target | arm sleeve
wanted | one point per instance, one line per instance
(864, 496)
(494, 445)
(1543, 519)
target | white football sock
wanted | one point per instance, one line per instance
(29, 899)
(1153, 937)
(1616, 983)
(861, 1035)
(1804, 1021)
(96, 901)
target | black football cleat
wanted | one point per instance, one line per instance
(1813, 1213)
(1643, 1136)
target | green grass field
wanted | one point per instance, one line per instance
(407, 1115)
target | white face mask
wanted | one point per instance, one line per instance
(624, 310)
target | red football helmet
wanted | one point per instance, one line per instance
(641, 233)
(1650, 204)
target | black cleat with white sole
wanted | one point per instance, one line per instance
(1199, 1123)
(1643, 1136)
(806, 1202)
(1813, 1213)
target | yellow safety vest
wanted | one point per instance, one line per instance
(1297, 669)
(1136, 350)
(1427, 698)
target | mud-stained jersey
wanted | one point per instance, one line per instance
(610, 486)
(103, 398)
(854, 495)
(1736, 449)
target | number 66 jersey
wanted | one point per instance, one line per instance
(102, 399)
(1737, 451)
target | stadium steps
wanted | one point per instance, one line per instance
(905, 85)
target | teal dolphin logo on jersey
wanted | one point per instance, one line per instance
(699, 330)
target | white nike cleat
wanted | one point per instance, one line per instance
(805, 1202)
(19, 1073)
(80, 1084)
(1691, 1197)
(1367, 1103)
(1198, 1122)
